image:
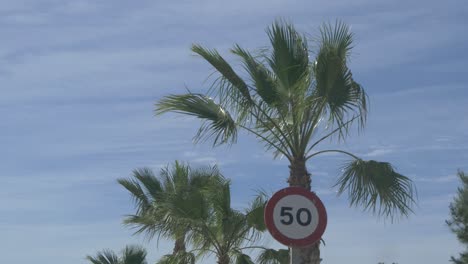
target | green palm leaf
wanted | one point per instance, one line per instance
(228, 74)
(104, 257)
(219, 123)
(130, 255)
(262, 78)
(148, 223)
(134, 255)
(179, 258)
(149, 182)
(289, 59)
(255, 212)
(272, 256)
(138, 194)
(377, 187)
(334, 81)
(243, 259)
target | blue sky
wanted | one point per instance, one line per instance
(79, 80)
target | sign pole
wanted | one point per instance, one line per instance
(294, 255)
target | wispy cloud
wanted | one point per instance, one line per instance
(379, 152)
(441, 179)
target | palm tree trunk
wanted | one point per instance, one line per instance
(179, 245)
(223, 259)
(299, 176)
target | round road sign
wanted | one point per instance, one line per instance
(295, 217)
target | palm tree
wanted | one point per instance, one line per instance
(222, 230)
(130, 255)
(292, 104)
(159, 199)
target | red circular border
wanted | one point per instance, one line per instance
(322, 214)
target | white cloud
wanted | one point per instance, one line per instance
(441, 179)
(379, 152)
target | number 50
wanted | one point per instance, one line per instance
(288, 218)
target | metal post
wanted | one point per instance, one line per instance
(294, 255)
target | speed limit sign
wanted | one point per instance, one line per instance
(295, 217)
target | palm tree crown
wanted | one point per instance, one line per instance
(222, 230)
(287, 101)
(159, 201)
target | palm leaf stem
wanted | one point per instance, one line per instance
(268, 141)
(283, 136)
(309, 130)
(332, 150)
(213, 239)
(233, 233)
(254, 247)
(331, 133)
(294, 128)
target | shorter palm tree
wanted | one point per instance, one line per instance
(222, 230)
(160, 199)
(130, 255)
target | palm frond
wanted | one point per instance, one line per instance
(150, 223)
(377, 187)
(337, 36)
(272, 256)
(134, 255)
(255, 212)
(262, 78)
(289, 59)
(139, 196)
(241, 258)
(104, 257)
(221, 65)
(180, 177)
(152, 185)
(334, 83)
(179, 258)
(205, 177)
(219, 124)
(221, 200)
(182, 208)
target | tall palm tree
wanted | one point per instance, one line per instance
(159, 199)
(130, 255)
(222, 230)
(292, 104)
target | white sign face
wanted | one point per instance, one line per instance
(295, 216)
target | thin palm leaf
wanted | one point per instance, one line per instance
(133, 255)
(104, 257)
(219, 125)
(181, 257)
(130, 255)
